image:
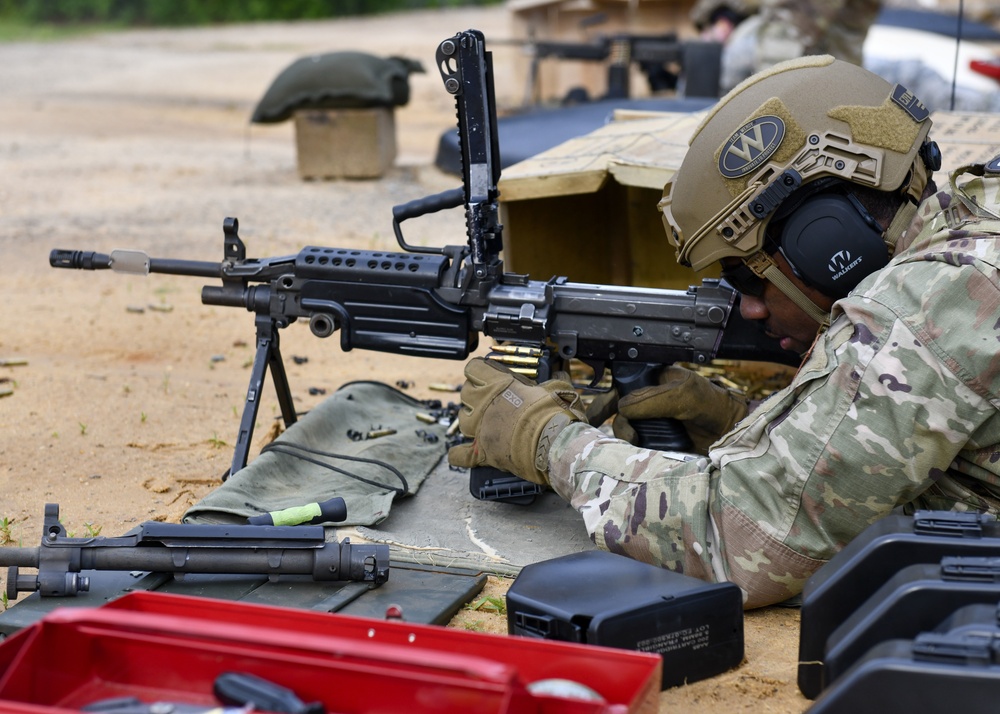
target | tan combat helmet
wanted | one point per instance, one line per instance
(797, 122)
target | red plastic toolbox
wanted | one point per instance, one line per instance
(160, 647)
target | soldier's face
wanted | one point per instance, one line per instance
(783, 319)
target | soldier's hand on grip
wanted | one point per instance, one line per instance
(706, 409)
(511, 420)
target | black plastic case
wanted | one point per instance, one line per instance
(600, 598)
(935, 672)
(869, 561)
(917, 599)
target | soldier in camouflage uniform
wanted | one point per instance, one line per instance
(760, 33)
(716, 19)
(810, 201)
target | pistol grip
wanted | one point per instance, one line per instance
(662, 435)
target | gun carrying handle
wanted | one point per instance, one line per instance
(421, 207)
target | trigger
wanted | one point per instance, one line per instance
(600, 370)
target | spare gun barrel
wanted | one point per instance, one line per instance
(332, 561)
(177, 548)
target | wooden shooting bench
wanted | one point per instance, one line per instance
(586, 209)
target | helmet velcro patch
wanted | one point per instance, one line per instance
(806, 61)
(886, 126)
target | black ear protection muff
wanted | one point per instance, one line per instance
(832, 242)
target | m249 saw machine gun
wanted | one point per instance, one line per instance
(436, 301)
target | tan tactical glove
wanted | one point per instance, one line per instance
(511, 420)
(706, 409)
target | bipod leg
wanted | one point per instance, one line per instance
(280, 380)
(268, 354)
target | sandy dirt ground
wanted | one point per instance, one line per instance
(122, 394)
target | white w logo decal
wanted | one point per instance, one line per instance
(750, 146)
(753, 139)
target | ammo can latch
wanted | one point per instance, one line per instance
(957, 524)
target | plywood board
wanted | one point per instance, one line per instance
(642, 152)
(964, 138)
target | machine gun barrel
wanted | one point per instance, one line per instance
(134, 262)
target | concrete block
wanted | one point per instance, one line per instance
(345, 143)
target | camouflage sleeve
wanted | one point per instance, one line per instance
(877, 413)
